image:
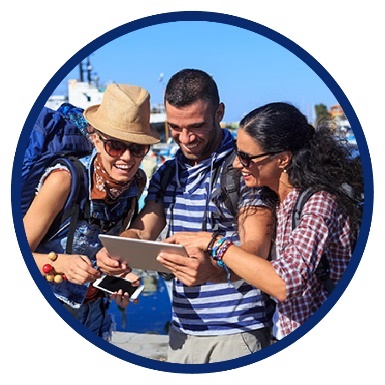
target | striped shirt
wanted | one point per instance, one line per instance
(322, 228)
(209, 309)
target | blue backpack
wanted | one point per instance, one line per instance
(57, 137)
(56, 134)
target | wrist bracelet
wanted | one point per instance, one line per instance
(49, 271)
(218, 252)
(220, 249)
(212, 241)
(216, 246)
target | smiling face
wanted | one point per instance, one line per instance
(196, 128)
(122, 167)
(263, 171)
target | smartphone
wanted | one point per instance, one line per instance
(112, 284)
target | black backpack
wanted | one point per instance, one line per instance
(323, 269)
(229, 186)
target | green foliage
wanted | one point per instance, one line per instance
(321, 113)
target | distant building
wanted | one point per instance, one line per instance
(336, 111)
(80, 94)
(83, 94)
(339, 119)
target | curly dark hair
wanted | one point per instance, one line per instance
(320, 160)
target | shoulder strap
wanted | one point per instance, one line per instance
(141, 179)
(229, 186)
(72, 207)
(75, 210)
(230, 183)
(168, 173)
(322, 271)
(297, 210)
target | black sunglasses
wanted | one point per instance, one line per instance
(245, 159)
(116, 148)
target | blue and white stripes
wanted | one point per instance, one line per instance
(209, 309)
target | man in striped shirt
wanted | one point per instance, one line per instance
(225, 318)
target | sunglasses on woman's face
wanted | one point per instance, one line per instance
(116, 148)
(245, 158)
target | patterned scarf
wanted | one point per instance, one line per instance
(104, 187)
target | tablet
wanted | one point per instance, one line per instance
(139, 253)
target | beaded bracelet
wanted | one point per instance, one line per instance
(217, 254)
(220, 249)
(49, 271)
(214, 250)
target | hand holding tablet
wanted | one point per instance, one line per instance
(139, 253)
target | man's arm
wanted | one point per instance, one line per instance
(148, 224)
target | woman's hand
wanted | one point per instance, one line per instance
(78, 269)
(200, 239)
(109, 265)
(195, 270)
(122, 298)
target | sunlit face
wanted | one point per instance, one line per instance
(123, 165)
(196, 129)
(261, 171)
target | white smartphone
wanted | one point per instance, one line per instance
(111, 284)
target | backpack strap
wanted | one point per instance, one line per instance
(141, 180)
(75, 209)
(323, 268)
(302, 199)
(230, 184)
(229, 188)
(169, 172)
(72, 208)
(228, 191)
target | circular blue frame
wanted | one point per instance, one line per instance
(161, 19)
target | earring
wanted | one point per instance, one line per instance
(284, 170)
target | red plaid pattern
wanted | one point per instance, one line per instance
(322, 228)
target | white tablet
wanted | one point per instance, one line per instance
(138, 253)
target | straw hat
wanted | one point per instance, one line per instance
(124, 114)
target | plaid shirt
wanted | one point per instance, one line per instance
(322, 228)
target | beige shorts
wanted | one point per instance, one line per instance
(189, 349)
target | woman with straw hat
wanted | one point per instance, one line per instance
(120, 130)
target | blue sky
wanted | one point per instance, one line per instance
(355, 62)
(249, 68)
